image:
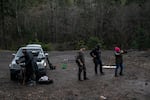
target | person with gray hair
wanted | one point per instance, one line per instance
(80, 60)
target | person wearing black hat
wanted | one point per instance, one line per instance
(96, 54)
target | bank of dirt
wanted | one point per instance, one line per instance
(134, 85)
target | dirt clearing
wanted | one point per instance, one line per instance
(134, 85)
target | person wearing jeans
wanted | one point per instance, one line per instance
(119, 61)
(121, 69)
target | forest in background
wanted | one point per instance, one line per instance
(70, 24)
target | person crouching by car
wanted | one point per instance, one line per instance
(80, 60)
(29, 71)
(119, 60)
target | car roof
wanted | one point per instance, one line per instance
(33, 45)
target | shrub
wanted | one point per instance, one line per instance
(81, 44)
(93, 41)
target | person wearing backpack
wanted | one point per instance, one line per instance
(80, 60)
(96, 54)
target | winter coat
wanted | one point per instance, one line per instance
(80, 57)
(118, 57)
(96, 53)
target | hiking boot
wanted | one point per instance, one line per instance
(116, 75)
(121, 74)
(80, 80)
(102, 73)
(86, 78)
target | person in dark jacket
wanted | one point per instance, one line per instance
(28, 65)
(119, 61)
(96, 54)
(80, 60)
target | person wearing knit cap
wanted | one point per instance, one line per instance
(119, 61)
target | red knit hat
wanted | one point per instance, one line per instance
(117, 49)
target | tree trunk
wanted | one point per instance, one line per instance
(2, 24)
(17, 20)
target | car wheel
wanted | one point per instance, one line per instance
(12, 76)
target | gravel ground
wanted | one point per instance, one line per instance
(134, 85)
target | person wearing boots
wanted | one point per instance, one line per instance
(28, 65)
(80, 60)
(119, 61)
(96, 54)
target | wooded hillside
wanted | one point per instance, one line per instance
(68, 24)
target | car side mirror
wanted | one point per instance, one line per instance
(13, 54)
(46, 54)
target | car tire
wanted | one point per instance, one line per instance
(12, 76)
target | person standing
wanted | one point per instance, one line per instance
(80, 60)
(119, 61)
(96, 54)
